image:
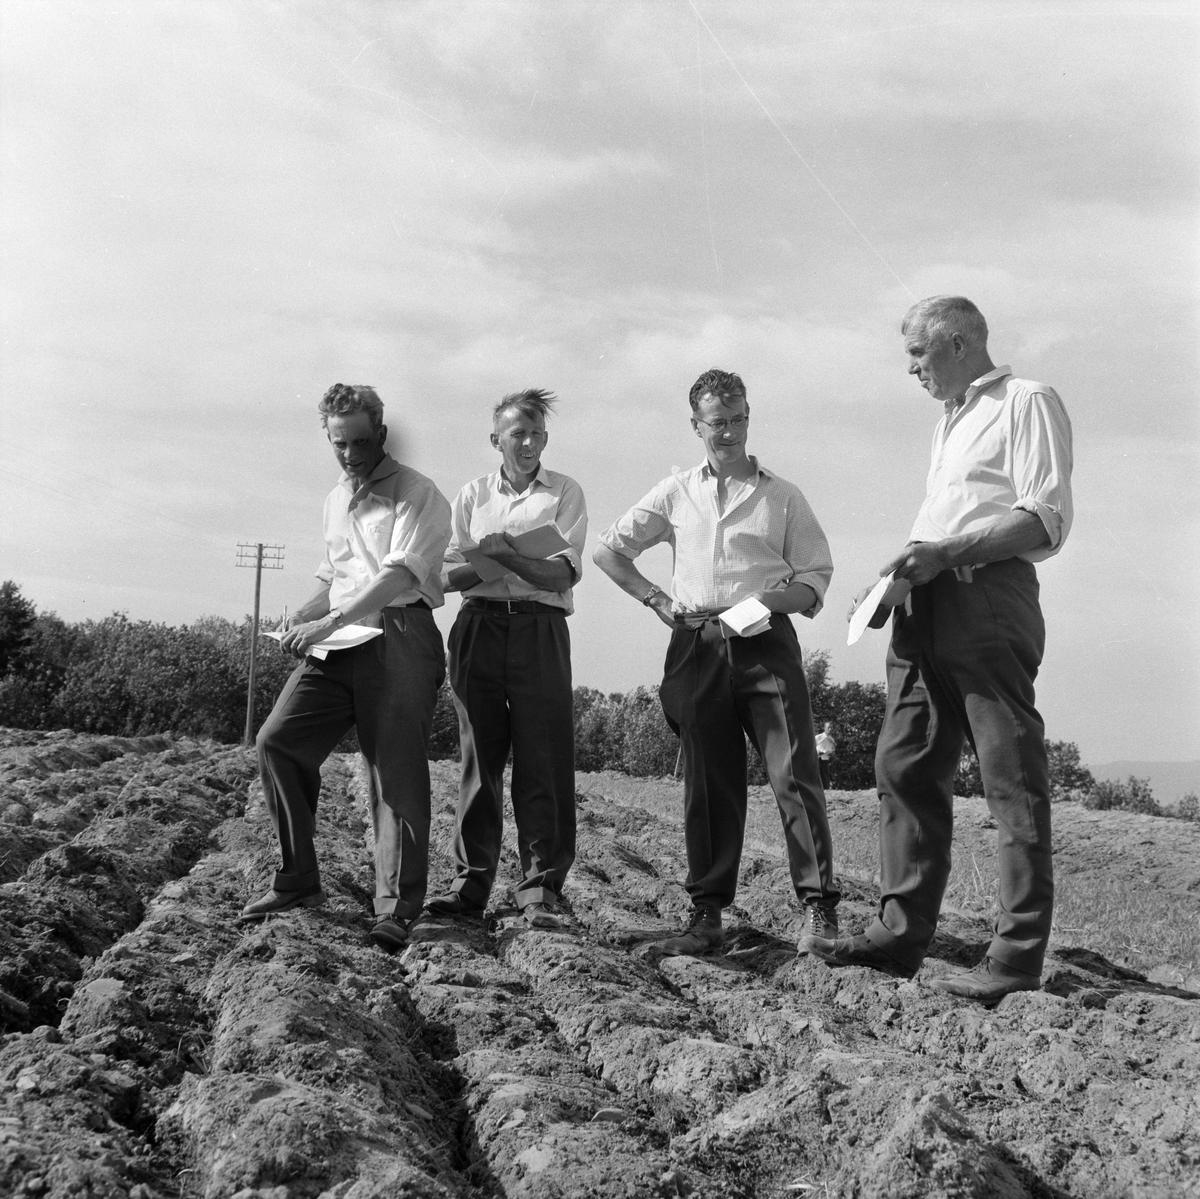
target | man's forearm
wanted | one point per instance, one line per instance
(546, 574)
(460, 578)
(795, 597)
(622, 571)
(1007, 536)
(378, 593)
(313, 608)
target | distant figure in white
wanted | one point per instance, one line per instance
(386, 531)
(826, 748)
(965, 650)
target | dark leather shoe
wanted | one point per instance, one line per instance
(820, 920)
(540, 915)
(853, 951)
(704, 935)
(281, 901)
(452, 904)
(988, 983)
(389, 932)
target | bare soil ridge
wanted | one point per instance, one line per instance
(156, 1047)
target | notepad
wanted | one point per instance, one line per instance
(747, 619)
(346, 637)
(543, 542)
(887, 593)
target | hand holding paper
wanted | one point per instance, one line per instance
(543, 542)
(747, 619)
(343, 638)
(886, 594)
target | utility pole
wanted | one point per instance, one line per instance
(260, 555)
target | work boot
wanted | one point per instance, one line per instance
(988, 983)
(704, 935)
(541, 915)
(390, 932)
(281, 901)
(452, 904)
(820, 920)
(858, 950)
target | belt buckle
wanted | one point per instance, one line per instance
(509, 605)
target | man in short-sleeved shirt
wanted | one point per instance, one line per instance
(738, 531)
(965, 650)
(510, 669)
(386, 531)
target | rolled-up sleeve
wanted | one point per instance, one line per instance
(420, 533)
(806, 551)
(571, 519)
(1041, 466)
(647, 523)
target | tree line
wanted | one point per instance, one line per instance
(133, 678)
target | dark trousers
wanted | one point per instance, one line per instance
(715, 693)
(511, 678)
(824, 764)
(962, 665)
(386, 688)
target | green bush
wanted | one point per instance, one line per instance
(1189, 808)
(1133, 795)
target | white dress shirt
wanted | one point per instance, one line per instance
(765, 538)
(396, 518)
(1006, 446)
(491, 504)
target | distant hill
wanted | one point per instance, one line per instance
(1168, 780)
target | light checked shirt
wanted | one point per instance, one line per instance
(492, 505)
(766, 537)
(1006, 446)
(396, 518)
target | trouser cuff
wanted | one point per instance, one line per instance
(297, 882)
(1023, 962)
(391, 905)
(527, 895)
(472, 894)
(909, 957)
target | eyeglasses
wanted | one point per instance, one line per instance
(736, 423)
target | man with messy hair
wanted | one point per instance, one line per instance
(510, 669)
(386, 530)
(738, 532)
(965, 650)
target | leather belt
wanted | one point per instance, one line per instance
(415, 604)
(510, 607)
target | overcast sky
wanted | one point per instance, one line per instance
(212, 211)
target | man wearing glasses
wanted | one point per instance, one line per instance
(738, 531)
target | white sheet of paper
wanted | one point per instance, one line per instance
(747, 619)
(344, 638)
(543, 542)
(889, 591)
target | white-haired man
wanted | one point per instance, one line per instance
(738, 532)
(386, 530)
(510, 669)
(965, 650)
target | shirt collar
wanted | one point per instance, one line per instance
(539, 476)
(979, 385)
(706, 470)
(387, 466)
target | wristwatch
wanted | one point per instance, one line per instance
(338, 618)
(650, 595)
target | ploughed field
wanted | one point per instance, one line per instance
(154, 1046)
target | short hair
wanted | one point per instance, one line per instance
(342, 399)
(534, 404)
(940, 317)
(725, 385)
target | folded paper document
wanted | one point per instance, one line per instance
(747, 619)
(343, 638)
(887, 593)
(543, 542)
